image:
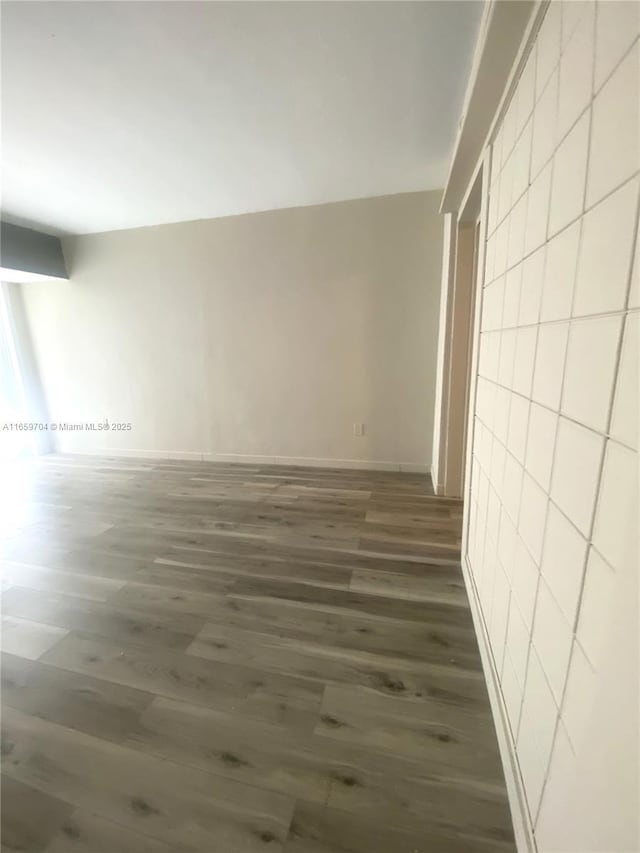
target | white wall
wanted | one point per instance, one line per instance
(268, 334)
(552, 543)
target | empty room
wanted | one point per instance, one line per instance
(319, 426)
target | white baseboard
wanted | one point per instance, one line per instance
(248, 459)
(121, 453)
(522, 827)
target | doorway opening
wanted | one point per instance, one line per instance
(465, 260)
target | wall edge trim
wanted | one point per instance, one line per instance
(506, 23)
(522, 825)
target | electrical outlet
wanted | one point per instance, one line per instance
(358, 430)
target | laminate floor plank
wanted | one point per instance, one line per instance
(332, 664)
(27, 638)
(154, 797)
(329, 830)
(264, 754)
(446, 586)
(360, 602)
(91, 705)
(445, 732)
(208, 657)
(71, 583)
(64, 611)
(243, 690)
(302, 623)
(86, 832)
(399, 547)
(350, 558)
(321, 772)
(277, 569)
(30, 818)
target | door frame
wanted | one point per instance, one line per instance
(463, 265)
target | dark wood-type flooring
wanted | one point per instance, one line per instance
(233, 659)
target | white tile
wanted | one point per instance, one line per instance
(624, 422)
(499, 614)
(507, 357)
(512, 692)
(569, 176)
(549, 365)
(506, 189)
(577, 708)
(518, 420)
(517, 641)
(533, 509)
(489, 260)
(512, 288)
(484, 446)
(524, 359)
(517, 224)
(617, 512)
(494, 198)
(471, 538)
(574, 13)
(574, 90)
(478, 443)
(496, 474)
(478, 548)
(563, 560)
(548, 47)
(507, 544)
(512, 486)
(476, 447)
(526, 92)
(531, 289)
(479, 567)
(541, 438)
(615, 144)
(538, 210)
(485, 398)
(537, 727)
(605, 253)
(502, 404)
(544, 126)
(492, 300)
(596, 607)
(483, 494)
(487, 583)
(500, 258)
(560, 274)
(617, 25)
(554, 832)
(576, 467)
(634, 292)
(552, 639)
(489, 354)
(509, 131)
(525, 582)
(494, 508)
(602, 811)
(592, 354)
(522, 161)
(496, 155)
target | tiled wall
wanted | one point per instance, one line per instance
(552, 538)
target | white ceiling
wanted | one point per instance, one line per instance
(123, 114)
